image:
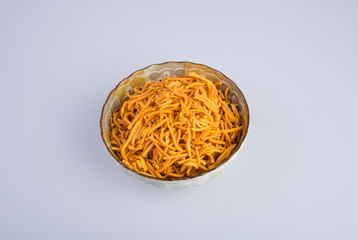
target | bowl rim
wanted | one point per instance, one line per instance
(173, 179)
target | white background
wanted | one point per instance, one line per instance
(295, 61)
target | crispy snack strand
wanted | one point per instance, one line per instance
(177, 127)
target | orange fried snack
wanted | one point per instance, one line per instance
(174, 128)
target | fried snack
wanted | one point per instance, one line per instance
(175, 128)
